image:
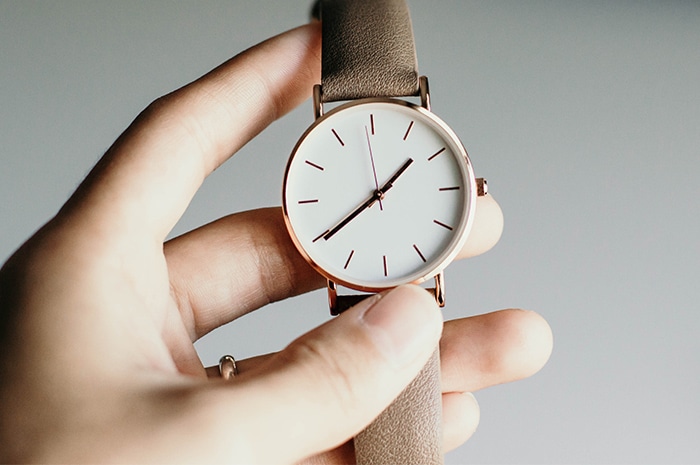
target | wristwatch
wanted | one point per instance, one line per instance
(380, 192)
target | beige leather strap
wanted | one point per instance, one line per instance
(367, 50)
(410, 430)
(340, 303)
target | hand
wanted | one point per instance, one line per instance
(371, 159)
(98, 316)
(377, 195)
(390, 182)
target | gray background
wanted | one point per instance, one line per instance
(584, 117)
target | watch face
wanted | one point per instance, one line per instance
(379, 193)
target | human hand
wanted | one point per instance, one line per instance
(98, 316)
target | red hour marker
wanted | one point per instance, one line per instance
(386, 270)
(318, 167)
(420, 254)
(338, 137)
(320, 235)
(436, 154)
(352, 252)
(371, 122)
(442, 224)
(408, 131)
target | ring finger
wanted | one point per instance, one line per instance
(476, 352)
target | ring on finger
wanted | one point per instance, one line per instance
(227, 367)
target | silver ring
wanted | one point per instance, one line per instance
(227, 367)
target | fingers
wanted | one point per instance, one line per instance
(493, 348)
(352, 367)
(476, 353)
(486, 230)
(234, 265)
(460, 415)
(244, 261)
(483, 351)
(148, 177)
(460, 418)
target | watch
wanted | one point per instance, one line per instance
(380, 192)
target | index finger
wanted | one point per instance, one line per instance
(146, 180)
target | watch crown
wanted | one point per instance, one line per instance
(482, 187)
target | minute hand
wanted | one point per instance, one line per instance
(377, 195)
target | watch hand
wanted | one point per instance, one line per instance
(374, 170)
(390, 183)
(377, 195)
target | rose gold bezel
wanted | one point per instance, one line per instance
(463, 229)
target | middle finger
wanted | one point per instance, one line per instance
(475, 352)
(244, 261)
(234, 265)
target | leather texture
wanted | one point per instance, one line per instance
(409, 431)
(367, 50)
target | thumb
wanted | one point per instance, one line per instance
(332, 382)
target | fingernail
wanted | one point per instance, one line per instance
(404, 324)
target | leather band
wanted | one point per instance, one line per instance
(367, 50)
(409, 431)
(344, 302)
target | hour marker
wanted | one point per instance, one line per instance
(455, 188)
(302, 202)
(347, 262)
(415, 247)
(442, 224)
(386, 270)
(338, 137)
(371, 122)
(408, 131)
(320, 235)
(314, 165)
(436, 153)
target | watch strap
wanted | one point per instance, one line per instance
(409, 431)
(339, 303)
(367, 50)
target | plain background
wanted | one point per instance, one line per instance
(583, 116)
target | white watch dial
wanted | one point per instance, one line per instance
(379, 193)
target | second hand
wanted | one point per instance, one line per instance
(374, 170)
